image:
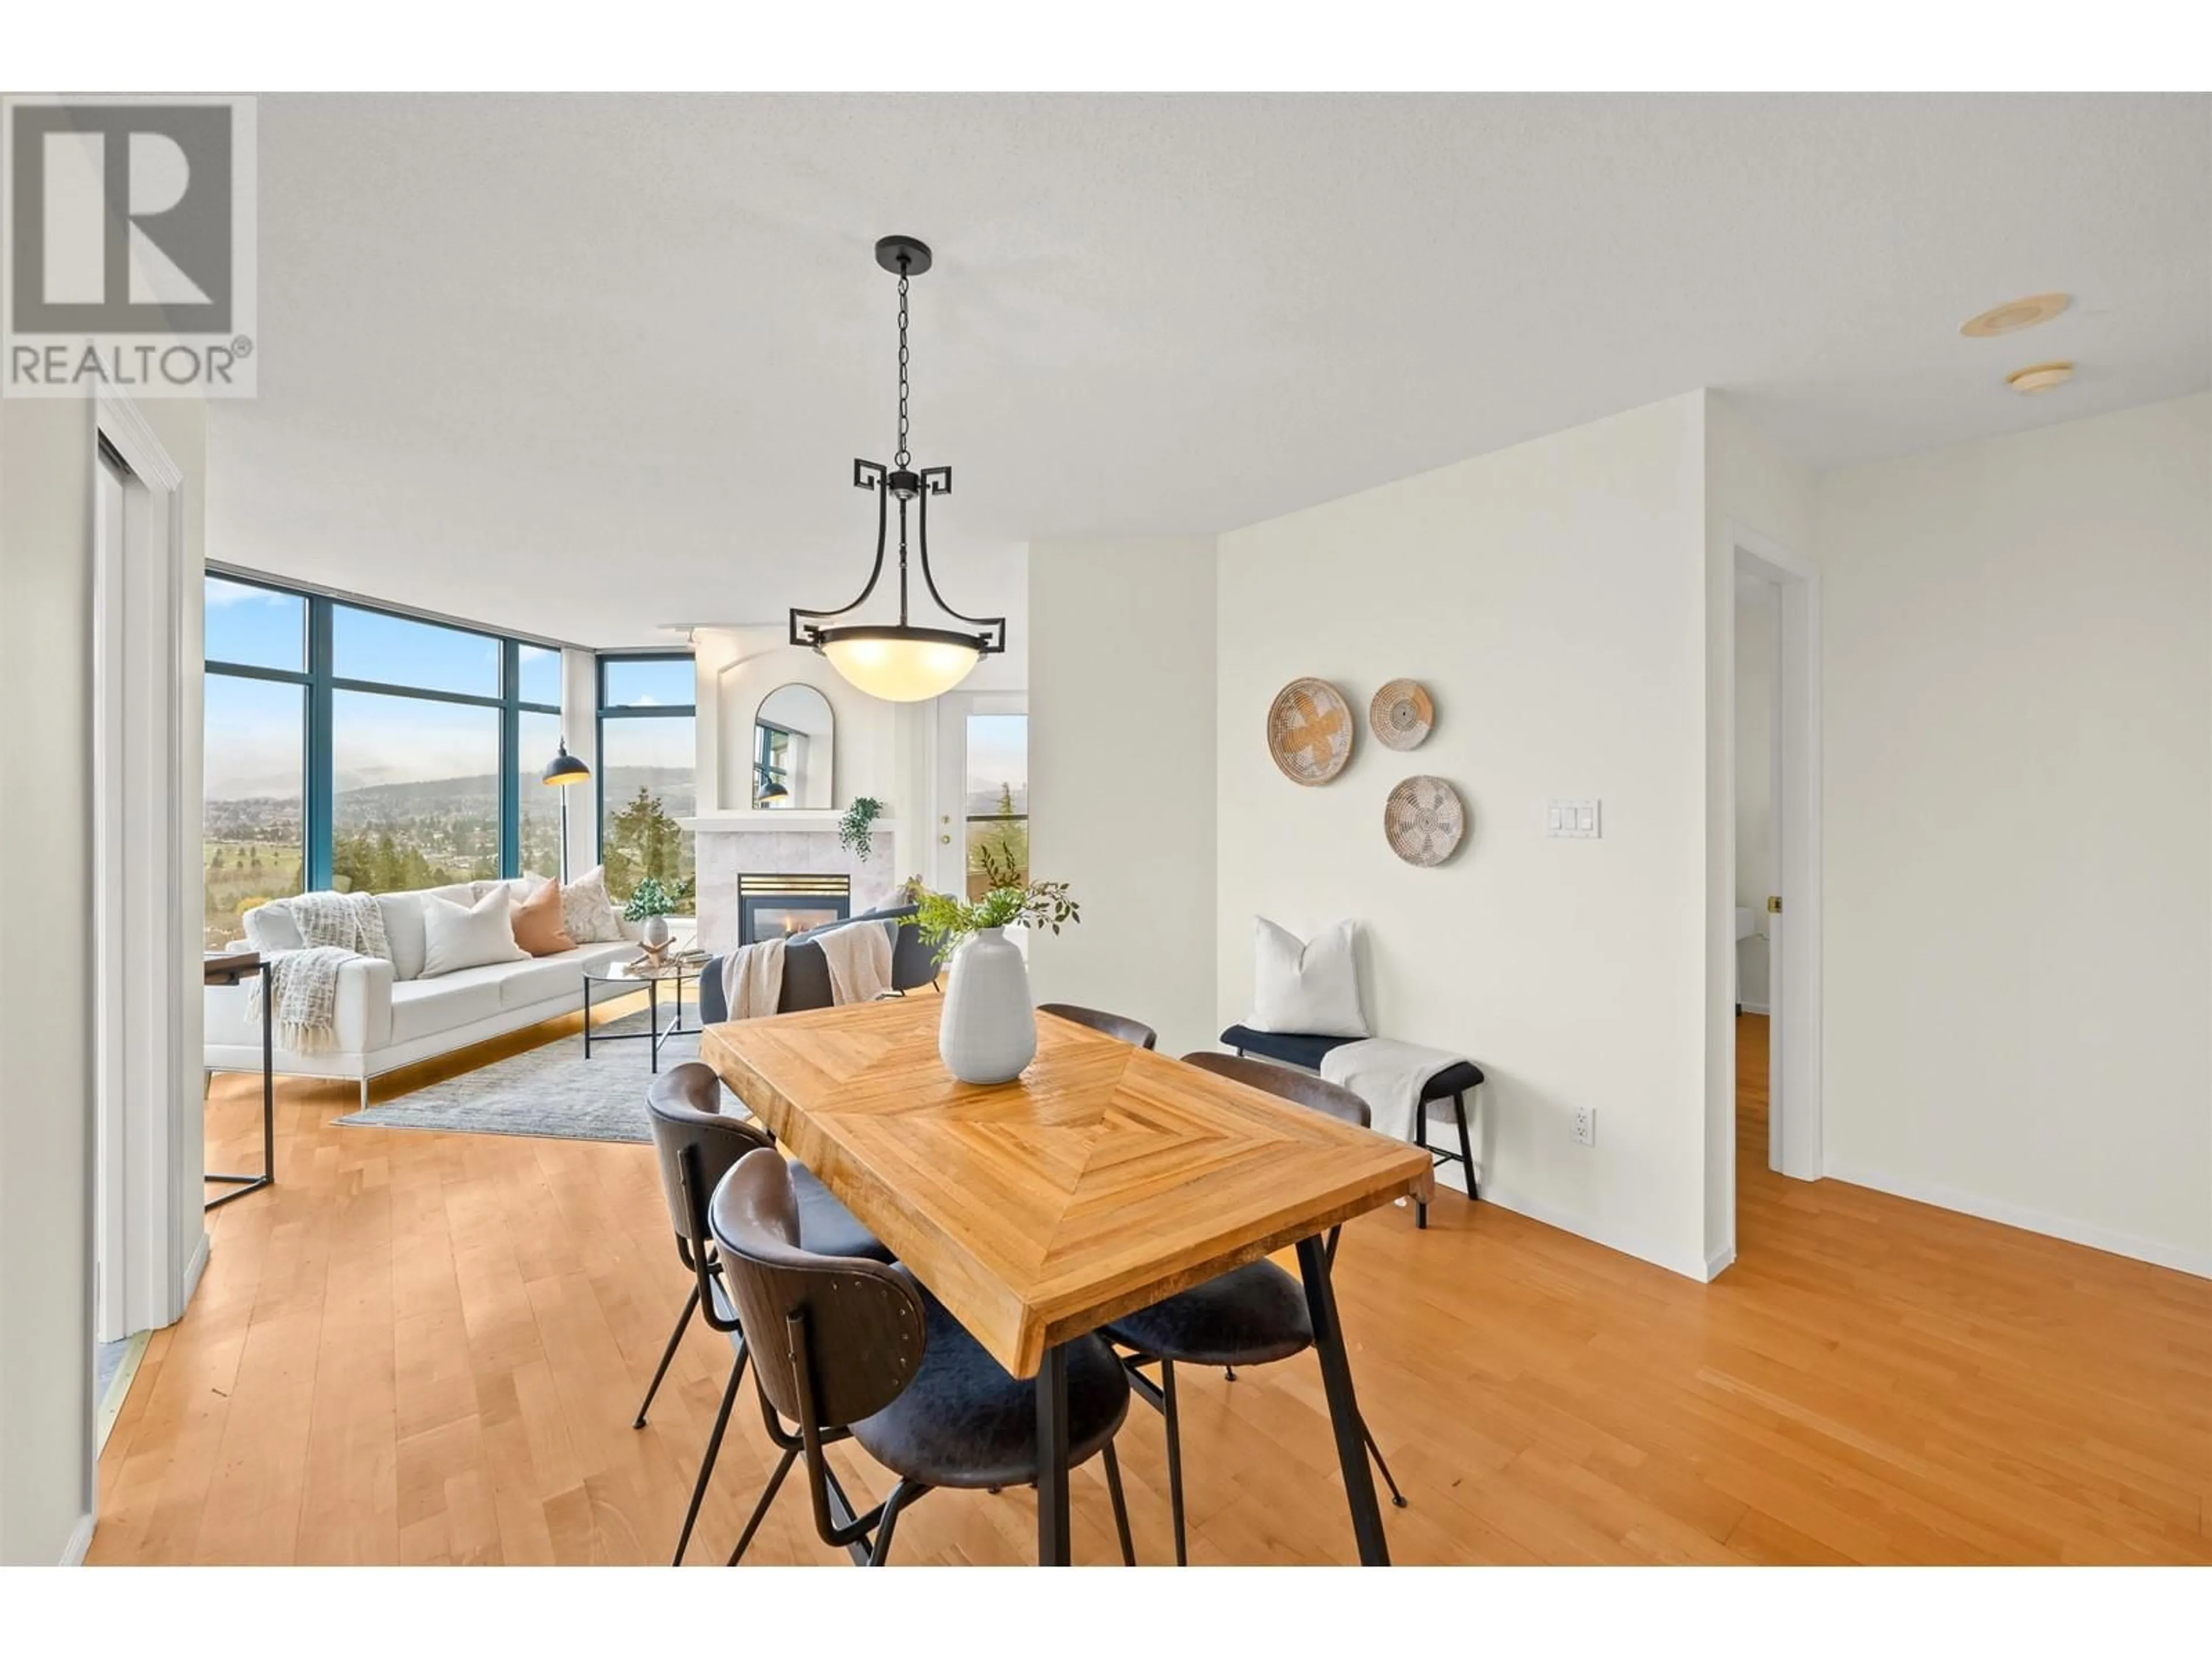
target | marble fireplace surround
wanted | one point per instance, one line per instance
(781, 844)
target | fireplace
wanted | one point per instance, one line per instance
(776, 907)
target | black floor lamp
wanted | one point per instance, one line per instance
(563, 769)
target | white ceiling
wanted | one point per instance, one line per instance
(589, 365)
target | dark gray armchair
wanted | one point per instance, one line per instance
(806, 973)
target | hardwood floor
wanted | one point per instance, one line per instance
(429, 1347)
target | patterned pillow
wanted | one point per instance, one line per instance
(587, 913)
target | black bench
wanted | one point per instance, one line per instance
(1305, 1051)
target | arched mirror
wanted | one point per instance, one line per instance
(794, 745)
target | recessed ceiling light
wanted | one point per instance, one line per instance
(2014, 315)
(2039, 377)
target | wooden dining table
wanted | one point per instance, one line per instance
(1103, 1179)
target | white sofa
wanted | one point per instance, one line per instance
(389, 1016)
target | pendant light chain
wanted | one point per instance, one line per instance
(904, 455)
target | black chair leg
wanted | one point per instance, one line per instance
(707, 1463)
(675, 1336)
(1229, 1371)
(1121, 1506)
(1175, 1457)
(903, 1494)
(1466, 1150)
(760, 1509)
(1397, 1498)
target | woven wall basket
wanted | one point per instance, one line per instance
(1310, 730)
(1423, 821)
(1401, 714)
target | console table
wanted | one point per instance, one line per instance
(230, 969)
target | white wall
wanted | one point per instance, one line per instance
(1756, 622)
(45, 995)
(1122, 778)
(1551, 597)
(2018, 689)
(46, 1026)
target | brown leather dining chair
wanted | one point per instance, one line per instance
(698, 1143)
(1250, 1316)
(1120, 1027)
(849, 1348)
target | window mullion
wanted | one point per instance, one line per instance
(510, 759)
(321, 806)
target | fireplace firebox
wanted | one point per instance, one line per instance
(777, 907)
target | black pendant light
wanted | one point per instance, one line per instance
(901, 662)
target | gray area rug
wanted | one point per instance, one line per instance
(552, 1092)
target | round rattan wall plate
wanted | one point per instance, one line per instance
(1310, 730)
(1423, 821)
(1401, 714)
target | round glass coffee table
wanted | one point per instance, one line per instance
(623, 981)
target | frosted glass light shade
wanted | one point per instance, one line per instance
(909, 668)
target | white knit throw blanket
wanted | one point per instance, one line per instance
(338, 928)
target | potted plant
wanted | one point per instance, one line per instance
(652, 902)
(855, 829)
(987, 1032)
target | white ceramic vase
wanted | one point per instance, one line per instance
(654, 932)
(987, 1032)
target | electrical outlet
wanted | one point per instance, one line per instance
(1586, 1125)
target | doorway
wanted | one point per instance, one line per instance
(1758, 861)
(1774, 892)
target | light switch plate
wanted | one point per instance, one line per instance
(1574, 820)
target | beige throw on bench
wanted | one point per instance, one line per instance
(1388, 1075)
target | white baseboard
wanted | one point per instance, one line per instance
(193, 1269)
(1754, 1008)
(2157, 1252)
(1692, 1267)
(1719, 1262)
(79, 1543)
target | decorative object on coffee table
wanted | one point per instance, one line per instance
(987, 1032)
(1310, 730)
(855, 830)
(1401, 714)
(650, 905)
(1423, 821)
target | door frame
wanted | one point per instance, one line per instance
(1796, 1136)
(147, 876)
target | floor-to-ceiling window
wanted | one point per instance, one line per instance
(352, 747)
(647, 771)
(252, 837)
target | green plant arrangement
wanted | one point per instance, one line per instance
(945, 921)
(854, 830)
(651, 897)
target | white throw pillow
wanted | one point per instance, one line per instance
(455, 937)
(588, 915)
(1309, 987)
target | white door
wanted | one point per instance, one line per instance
(980, 838)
